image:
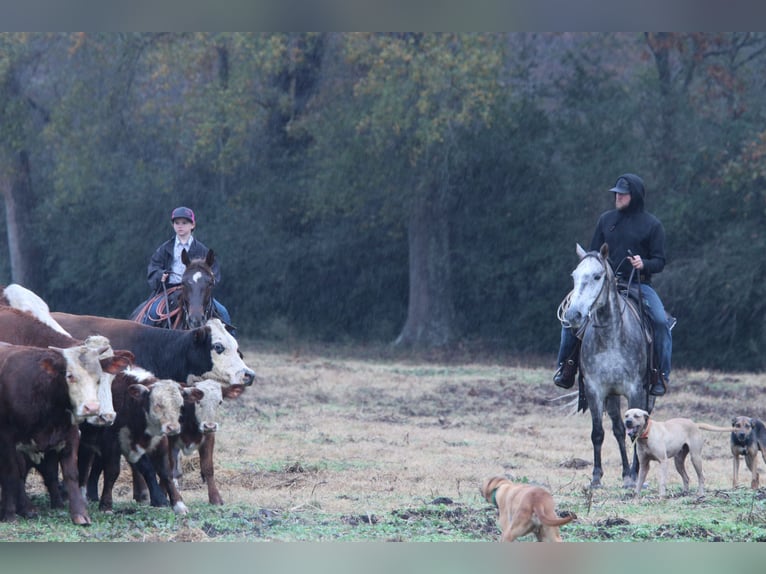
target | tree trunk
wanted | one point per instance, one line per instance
(430, 311)
(19, 204)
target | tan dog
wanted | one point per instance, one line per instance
(523, 509)
(661, 441)
(748, 438)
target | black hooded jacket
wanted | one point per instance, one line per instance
(632, 229)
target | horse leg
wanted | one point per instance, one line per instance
(618, 430)
(597, 438)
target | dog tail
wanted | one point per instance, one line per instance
(553, 520)
(707, 427)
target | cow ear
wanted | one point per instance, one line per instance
(202, 335)
(116, 364)
(137, 391)
(48, 365)
(193, 394)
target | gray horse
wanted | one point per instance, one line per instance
(613, 355)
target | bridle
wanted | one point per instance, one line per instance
(207, 311)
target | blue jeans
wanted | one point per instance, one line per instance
(663, 340)
(222, 311)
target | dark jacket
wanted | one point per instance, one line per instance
(162, 260)
(632, 229)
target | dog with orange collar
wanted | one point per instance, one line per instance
(660, 441)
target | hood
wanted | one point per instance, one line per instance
(637, 192)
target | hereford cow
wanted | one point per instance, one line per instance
(148, 412)
(198, 427)
(208, 352)
(20, 328)
(43, 394)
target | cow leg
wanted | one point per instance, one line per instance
(206, 468)
(140, 488)
(24, 506)
(110, 462)
(145, 467)
(92, 468)
(77, 507)
(161, 465)
(10, 479)
(49, 469)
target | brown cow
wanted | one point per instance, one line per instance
(20, 328)
(148, 412)
(43, 394)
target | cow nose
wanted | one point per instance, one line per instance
(208, 427)
(171, 429)
(106, 419)
(91, 409)
(248, 377)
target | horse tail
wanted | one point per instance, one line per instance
(551, 520)
(707, 427)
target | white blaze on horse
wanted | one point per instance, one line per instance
(613, 355)
(188, 305)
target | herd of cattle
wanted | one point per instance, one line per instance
(79, 392)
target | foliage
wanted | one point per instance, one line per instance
(306, 154)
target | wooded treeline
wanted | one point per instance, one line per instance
(423, 189)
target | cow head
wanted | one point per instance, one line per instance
(83, 373)
(206, 409)
(112, 362)
(161, 402)
(228, 367)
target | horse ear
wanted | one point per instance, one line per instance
(604, 250)
(210, 257)
(580, 251)
(185, 257)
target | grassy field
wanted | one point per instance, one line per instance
(367, 445)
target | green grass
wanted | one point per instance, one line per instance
(719, 517)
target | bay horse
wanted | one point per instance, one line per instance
(185, 306)
(613, 354)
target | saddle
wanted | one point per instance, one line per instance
(632, 296)
(158, 310)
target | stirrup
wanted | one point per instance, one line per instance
(658, 387)
(565, 374)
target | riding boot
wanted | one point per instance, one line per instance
(564, 376)
(659, 381)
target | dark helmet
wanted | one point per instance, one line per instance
(184, 212)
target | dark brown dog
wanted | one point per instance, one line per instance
(748, 438)
(522, 509)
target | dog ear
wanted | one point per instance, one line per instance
(733, 421)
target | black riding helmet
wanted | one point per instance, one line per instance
(634, 185)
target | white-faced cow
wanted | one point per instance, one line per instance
(148, 413)
(199, 422)
(208, 352)
(44, 393)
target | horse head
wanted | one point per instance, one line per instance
(197, 283)
(591, 277)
